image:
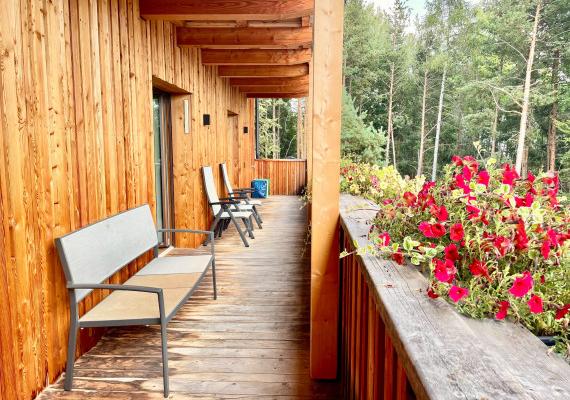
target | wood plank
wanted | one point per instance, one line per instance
(279, 95)
(294, 88)
(276, 71)
(300, 80)
(255, 57)
(245, 38)
(212, 10)
(326, 120)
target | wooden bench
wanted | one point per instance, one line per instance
(151, 297)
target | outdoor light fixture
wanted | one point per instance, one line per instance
(186, 116)
(245, 129)
(206, 119)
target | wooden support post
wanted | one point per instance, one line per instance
(326, 122)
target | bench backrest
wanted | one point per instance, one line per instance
(226, 178)
(211, 190)
(95, 252)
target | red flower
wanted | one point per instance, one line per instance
(552, 236)
(467, 173)
(503, 308)
(562, 312)
(384, 238)
(409, 198)
(460, 183)
(456, 232)
(451, 252)
(472, 211)
(535, 304)
(530, 177)
(478, 268)
(483, 178)
(444, 270)
(457, 161)
(432, 294)
(439, 212)
(521, 238)
(425, 228)
(438, 230)
(398, 257)
(502, 244)
(522, 285)
(545, 248)
(509, 175)
(456, 293)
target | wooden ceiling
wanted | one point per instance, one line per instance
(263, 46)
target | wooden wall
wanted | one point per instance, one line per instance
(76, 145)
(287, 177)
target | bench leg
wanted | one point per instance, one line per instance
(163, 338)
(214, 279)
(71, 345)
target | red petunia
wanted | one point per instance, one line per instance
(439, 212)
(552, 236)
(483, 178)
(398, 257)
(472, 211)
(457, 161)
(561, 313)
(530, 177)
(384, 238)
(478, 268)
(425, 228)
(502, 244)
(456, 232)
(444, 270)
(432, 294)
(521, 238)
(438, 230)
(535, 304)
(522, 285)
(467, 173)
(509, 175)
(460, 183)
(503, 309)
(409, 198)
(456, 293)
(451, 252)
(545, 248)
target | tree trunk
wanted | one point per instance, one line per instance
(423, 126)
(390, 135)
(551, 139)
(438, 125)
(274, 129)
(300, 133)
(494, 131)
(526, 92)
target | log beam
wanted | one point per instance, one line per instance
(274, 89)
(255, 57)
(223, 10)
(276, 71)
(299, 81)
(245, 38)
(277, 95)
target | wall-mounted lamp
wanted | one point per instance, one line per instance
(245, 129)
(186, 116)
(206, 119)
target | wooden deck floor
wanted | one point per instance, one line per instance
(250, 343)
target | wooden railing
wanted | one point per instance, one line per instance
(396, 343)
(288, 177)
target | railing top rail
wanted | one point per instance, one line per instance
(445, 354)
(282, 159)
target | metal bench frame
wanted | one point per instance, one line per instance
(163, 319)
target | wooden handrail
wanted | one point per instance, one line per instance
(398, 343)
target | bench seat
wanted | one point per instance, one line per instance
(177, 265)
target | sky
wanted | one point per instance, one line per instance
(417, 6)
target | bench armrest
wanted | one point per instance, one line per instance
(209, 233)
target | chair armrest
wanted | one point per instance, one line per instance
(223, 203)
(233, 198)
(244, 190)
(130, 288)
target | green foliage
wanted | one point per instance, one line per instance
(277, 120)
(360, 142)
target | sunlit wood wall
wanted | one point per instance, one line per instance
(76, 146)
(287, 177)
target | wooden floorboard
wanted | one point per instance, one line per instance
(252, 342)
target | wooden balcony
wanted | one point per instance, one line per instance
(253, 341)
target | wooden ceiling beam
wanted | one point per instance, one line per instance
(277, 95)
(275, 89)
(224, 10)
(275, 71)
(245, 38)
(255, 57)
(300, 80)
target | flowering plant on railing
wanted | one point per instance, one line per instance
(493, 244)
(374, 182)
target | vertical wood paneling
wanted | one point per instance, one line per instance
(370, 366)
(76, 145)
(287, 177)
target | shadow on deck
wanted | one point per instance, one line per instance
(253, 342)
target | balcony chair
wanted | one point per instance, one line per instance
(246, 202)
(226, 210)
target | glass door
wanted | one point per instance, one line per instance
(162, 164)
